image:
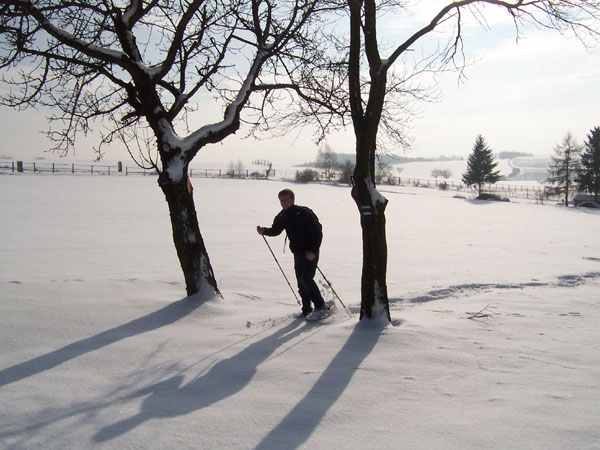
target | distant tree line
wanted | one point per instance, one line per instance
(335, 167)
(340, 167)
(342, 158)
(511, 155)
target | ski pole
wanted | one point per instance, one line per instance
(333, 290)
(282, 272)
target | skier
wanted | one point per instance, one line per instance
(305, 234)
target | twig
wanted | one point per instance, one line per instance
(479, 314)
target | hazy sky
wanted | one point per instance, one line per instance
(521, 96)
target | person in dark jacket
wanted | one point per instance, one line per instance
(305, 234)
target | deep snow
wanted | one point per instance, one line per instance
(101, 350)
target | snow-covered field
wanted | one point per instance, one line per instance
(100, 349)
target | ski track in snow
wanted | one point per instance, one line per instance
(443, 293)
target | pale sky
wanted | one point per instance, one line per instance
(520, 97)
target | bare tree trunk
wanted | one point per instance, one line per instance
(192, 254)
(374, 296)
(567, 180)
(371, 205)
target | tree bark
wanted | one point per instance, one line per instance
(193, 257)
(371, 206)
(374, 296)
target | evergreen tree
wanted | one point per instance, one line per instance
(564, 167)
(589, 173)
(481, 165)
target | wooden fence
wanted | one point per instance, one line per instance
(501, 189)
(528, 192)
(73, 168)
(119, 169)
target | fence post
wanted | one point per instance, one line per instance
(119, 166)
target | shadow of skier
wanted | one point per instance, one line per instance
(303, 419)
(169, 398)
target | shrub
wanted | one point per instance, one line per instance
(347, 173)
(307, 175)
(391, 180)
(444, 173)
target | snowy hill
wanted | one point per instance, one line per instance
(516, 170)
(494, 344)
(530, 168)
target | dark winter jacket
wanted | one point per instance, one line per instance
(302, 227)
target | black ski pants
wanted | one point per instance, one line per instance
(308, 289)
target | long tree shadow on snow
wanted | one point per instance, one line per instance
(171, 398)
(297, 426)
(160, 318)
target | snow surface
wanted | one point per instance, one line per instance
(100, 349)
